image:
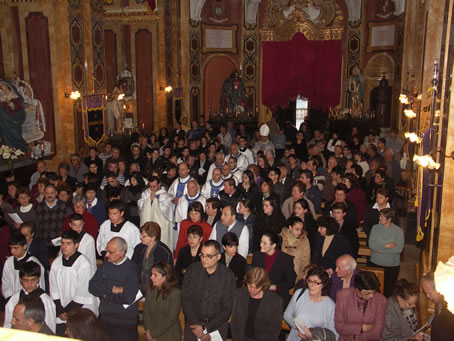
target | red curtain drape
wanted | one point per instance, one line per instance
(301, 66)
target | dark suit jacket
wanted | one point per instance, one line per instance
(347, 319)
(288, 185)
(282, 273)
(238, 265)
(202, 178)
(339, 246)
(39, 249)
(268, 319)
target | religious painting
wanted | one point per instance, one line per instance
(219, 38)
(382, 36)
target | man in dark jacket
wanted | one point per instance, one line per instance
(207, 295)
(116, 284)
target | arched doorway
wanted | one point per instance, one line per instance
(217, 70)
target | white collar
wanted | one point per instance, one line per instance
(124, 260)
(55, 203)
(376, 206)
(26, 209)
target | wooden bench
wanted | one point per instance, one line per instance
(379, 272)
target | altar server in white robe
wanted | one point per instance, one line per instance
(237, 173)
(117, 226)
(181, 211)
(10, 276)
(86, 241)
(30, 274)
(242, 161)
(244, 150)
(158, 208)
(69, 276)
(212, 187)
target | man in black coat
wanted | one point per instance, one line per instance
(207, 295)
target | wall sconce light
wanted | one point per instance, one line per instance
(168, 89)
(412, 137)
(409, 113)
(426, 161)
(74, 95)
(120, 97)
(444, 281)
(403, 99)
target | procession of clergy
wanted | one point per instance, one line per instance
(82, 246)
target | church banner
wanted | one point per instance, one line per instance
(94, 118)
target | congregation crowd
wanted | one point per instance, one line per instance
(236, 230)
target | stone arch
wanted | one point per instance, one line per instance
(381, 64)
(216, 69)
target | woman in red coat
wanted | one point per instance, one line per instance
(356, 195)
(195, 215)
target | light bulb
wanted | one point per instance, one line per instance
(409, 113)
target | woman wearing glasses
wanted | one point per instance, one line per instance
(401, 319)
(277, 264)
(311, 311)
(360, 311)
(162, 306)
(257, 312)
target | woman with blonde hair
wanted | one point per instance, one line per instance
(257, 311)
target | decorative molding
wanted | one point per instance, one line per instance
(128, 15)
(316, 22)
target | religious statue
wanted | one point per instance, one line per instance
(380, 103)
(356, 91)
(115, 106)
(250, 11)
(12, 115)
(196, 7)
(233, 98)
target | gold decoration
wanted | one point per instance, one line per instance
(127, 15)
(316, 19)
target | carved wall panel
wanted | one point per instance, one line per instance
(144, 76)
(76, 34)
(97, 32)
(17, 43)
(40, 67)
(110, 43)
(195, 41)
(168, 41)
(2, 66)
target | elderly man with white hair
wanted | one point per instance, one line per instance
(242, 161)
(218, 163)
(344, 276)
(212, 187)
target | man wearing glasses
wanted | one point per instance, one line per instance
(207, 295)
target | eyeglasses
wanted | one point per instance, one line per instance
(201, 255)
(310, 282)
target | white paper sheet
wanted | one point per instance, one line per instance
(15, 218)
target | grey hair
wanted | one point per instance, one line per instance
(121, 243)
(350, 261)
(79, 198)
(269, 151)
(33, 308)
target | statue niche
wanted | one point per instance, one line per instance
(233, 98)
(380, 102)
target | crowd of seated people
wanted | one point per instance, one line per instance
(222, 227)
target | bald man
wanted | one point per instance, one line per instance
(344, 276)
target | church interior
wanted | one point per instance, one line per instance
(93, 71)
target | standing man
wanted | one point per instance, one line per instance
(207, 295)
(51, 215)
(30, 274)
(68, 278)
(117, 226)
(29, 316)
(344, 276)
(218, 163)
(116, 284)
(228, 223)
(77, 169)
(10, 276)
